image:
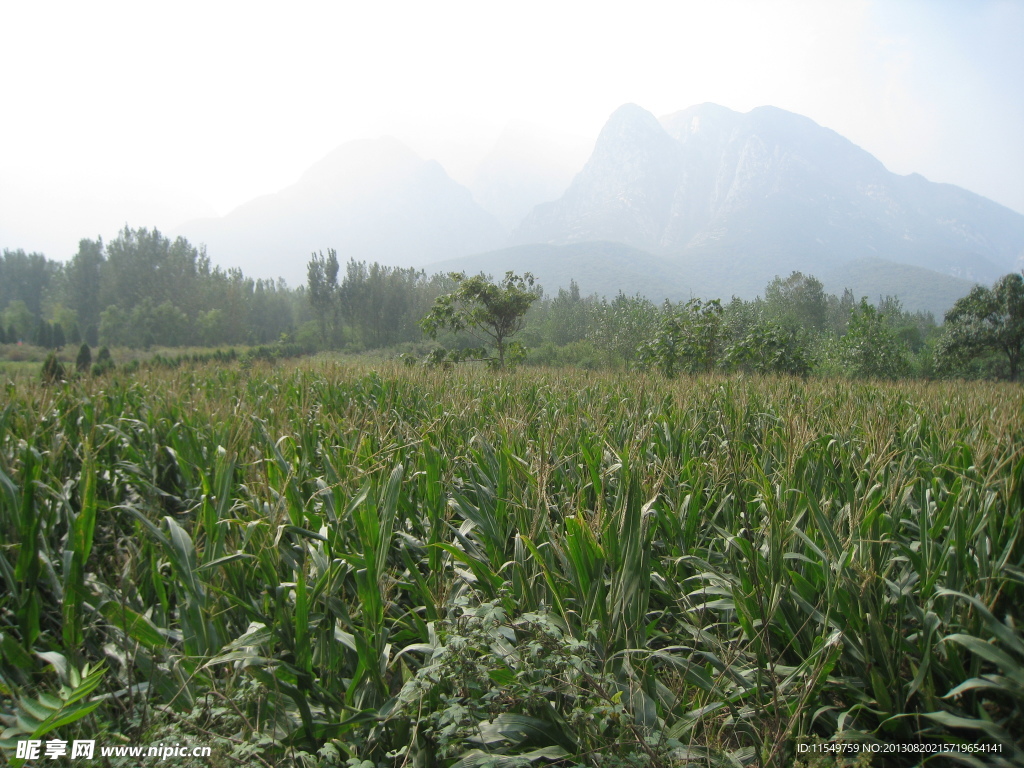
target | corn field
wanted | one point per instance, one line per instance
(333, 565)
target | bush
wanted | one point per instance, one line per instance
(104, 362)
(520, 686)
(53, 370)
(84, 360)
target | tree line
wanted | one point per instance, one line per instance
(795, 328)
(142, 289)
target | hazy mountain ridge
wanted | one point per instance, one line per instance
(526, 166)
(373, 200)
(772, 191)
(705, 201)
(604, 268)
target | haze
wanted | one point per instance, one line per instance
(152, 114)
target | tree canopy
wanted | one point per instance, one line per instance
(987, 320)
(489, 312)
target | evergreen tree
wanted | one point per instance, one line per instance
(53, 370)
(84, 360)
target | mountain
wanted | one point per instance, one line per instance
(624, 193)
(702, 202)
(526, 166)
(373, 200)
(918, 288)
(733, 199)
(603, 268)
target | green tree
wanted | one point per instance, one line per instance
(83, 285)
(871, 348)
(492, 313)
(987, 320)
(114, 327)
(44, 335)
(53, 370)
(27, 277)
(798, 301)
(322, 289)
(569, 316)
(767, 347)
(84, 360)
(623, 325)
(688, 339)
(143, 264)
(19, 321)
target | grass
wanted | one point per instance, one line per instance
(414, 567)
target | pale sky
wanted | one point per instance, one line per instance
(149, 113)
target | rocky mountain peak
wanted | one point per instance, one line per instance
(767, 191)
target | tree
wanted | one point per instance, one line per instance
(26, 277)
(623, 325)
(987, 320)
(144, 264)
(767, 347)
(322, 285)
(114, 328)
(44, 335)
(688, 339)
(84, 360)
(799, 301)
(570, 316)
(489, 312)
(19, 321)
(83, 286)
(53, 371)
(870, 348)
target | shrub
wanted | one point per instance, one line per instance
(53, 370)
(84, 360)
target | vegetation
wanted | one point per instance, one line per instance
(331, 565)
(988, 320)
(142, 291)
(492, 313)
(687, 339)
(139, 290)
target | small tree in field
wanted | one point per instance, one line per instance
(52, 371)
(84, 360)
(492, 313)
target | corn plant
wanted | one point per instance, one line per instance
(708, 569)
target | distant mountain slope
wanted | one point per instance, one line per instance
(597, 267)
(373, 200)
(526, 166)
(706, 202)
(919, 289)
(767, 192)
